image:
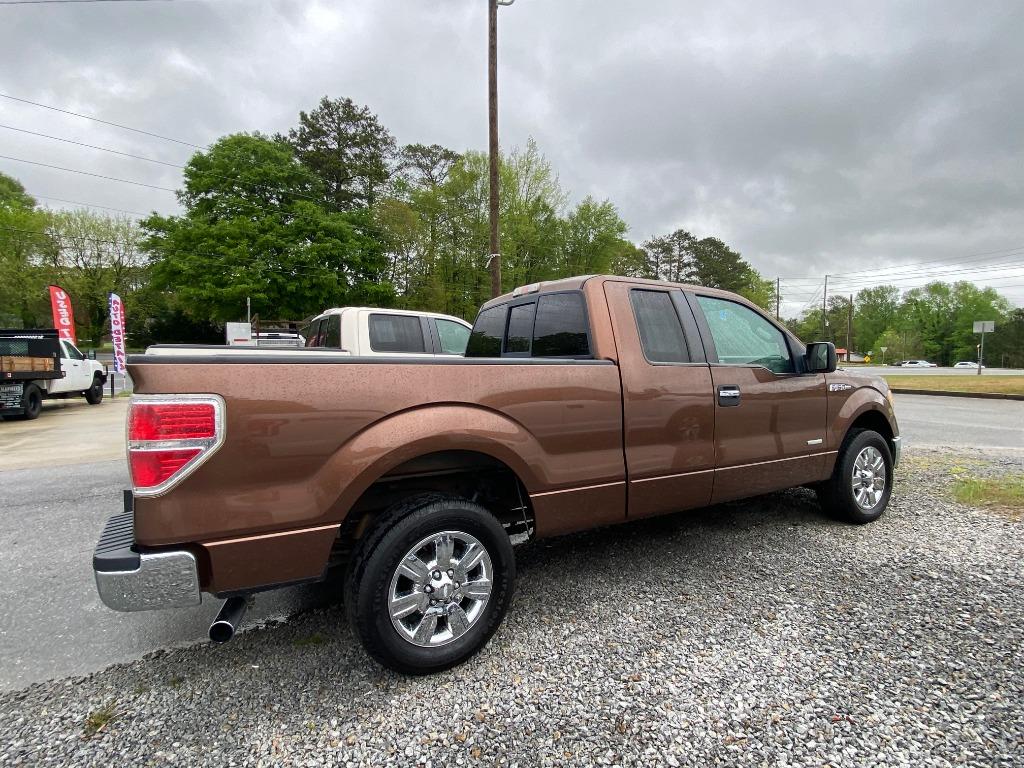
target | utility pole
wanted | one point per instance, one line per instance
(778, 296)
(494, 261)
(849, 328)
(824, 310)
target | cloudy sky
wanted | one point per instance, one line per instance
(860, 140)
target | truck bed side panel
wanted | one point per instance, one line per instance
(304, 440)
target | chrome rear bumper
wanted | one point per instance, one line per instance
(128, 580)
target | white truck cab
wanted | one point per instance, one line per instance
(80, 374)
(355, 331)
(370, 332)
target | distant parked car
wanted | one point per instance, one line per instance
(967, 364)
(917, 364)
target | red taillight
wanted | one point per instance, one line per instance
(169, 436)
(151, 468)
(168, 421)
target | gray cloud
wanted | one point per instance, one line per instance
(816, 138)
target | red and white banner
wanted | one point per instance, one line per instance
(63, 314)
(117, 331)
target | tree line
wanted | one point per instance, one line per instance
(934, 322)
(336, 212)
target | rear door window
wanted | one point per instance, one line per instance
(396, 333)
(561, 328)
(520, 328)
(485, 340)
(453, 336)
(661, 334)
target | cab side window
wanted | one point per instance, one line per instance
(520, 328)
(333, 335)
(743, 337)
(453, 336)
(488, 330)
(312, 333)
(561, 329)
(69, 352)
(396, 333)
(661, 334)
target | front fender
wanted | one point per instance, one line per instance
(843, 412)
(420, 431)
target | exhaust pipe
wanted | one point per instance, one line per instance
(229, 618)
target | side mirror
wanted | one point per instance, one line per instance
(821, 357)
(91, 354)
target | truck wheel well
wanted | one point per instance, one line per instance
(469, 474)
(875, 421)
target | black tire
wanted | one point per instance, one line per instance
(837, 495)
(369, 580)
(94, 394)
(31, 402)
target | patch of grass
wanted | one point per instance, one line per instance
(1005, 493)
(1006, 385)
(315, 639)
(99, 719)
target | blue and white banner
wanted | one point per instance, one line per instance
(117, 331)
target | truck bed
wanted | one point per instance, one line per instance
(306, 435)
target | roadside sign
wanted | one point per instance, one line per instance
(884, 349)
(983, 327)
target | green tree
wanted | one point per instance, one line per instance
(91, 255)
(874, 311)
(592, 238)
(348, 149)
(1005, 347)
(681, 257)
(22, 242)
(254, 227)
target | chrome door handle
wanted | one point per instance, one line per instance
(728, 396)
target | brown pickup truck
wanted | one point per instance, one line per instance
(580, 403)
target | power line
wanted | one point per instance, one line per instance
(930, 277)
(90, 146)
(88, 205)
(952, 261)
(99, 120)
(87, 173)
(234, 180)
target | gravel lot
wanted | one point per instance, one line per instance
(756, 633)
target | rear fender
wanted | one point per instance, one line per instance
(420, 431)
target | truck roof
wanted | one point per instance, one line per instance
(576, 283)
(389, 310)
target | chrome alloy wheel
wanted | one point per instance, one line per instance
(868, 477)
(440, 589)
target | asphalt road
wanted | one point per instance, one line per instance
(52, 624)
(962, 422)
(884, 370)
